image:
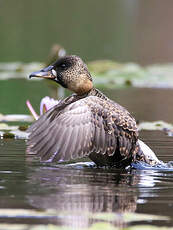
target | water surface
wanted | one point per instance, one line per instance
(37, 193)
(72, 195)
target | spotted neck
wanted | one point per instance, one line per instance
(97, 93)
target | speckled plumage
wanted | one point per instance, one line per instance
(84, 124)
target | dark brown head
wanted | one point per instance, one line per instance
(70, 72)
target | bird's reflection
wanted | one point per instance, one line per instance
(78, 193)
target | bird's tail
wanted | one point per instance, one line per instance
(145, 154)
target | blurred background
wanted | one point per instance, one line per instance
(126, 31)
(136, 31)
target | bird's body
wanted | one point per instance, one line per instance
(86, 123)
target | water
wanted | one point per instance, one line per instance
(74, 194)
(36, 193)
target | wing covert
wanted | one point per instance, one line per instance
(81, 128)
(69, 135)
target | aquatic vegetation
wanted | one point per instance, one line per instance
(10, 131)
(131, 74)
(107, 72)
(8, 135)
(17, 69)
(167, 128)
(19, 131)
(23, 127)
(155, 125)
(16, 118)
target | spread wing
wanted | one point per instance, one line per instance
(62, 135)
(80, 128)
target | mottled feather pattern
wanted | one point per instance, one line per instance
(86, 123)
(80, 126)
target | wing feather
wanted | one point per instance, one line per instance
(82, 127)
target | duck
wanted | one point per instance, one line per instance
(85, 124)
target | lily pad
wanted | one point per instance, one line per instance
(102, 66)
(154, 76)
(16, 117)
(13, 70)
(8, 135)
(9, 131)
(23, 127)
(155, 125)
(127, 217)
(107, 72)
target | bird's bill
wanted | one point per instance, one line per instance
(44, 73)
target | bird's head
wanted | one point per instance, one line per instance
(70, 72)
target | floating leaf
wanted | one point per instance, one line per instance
(8, 131)
(105, 72)
(127, 217)
(8, 135)
(23, 127)
(155, 125)
(16, 117)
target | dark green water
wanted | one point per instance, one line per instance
(127, 31)
(75, 194)
(14, 93)
(89, 29)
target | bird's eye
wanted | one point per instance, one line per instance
(63, 66)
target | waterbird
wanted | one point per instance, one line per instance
(85, 124)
